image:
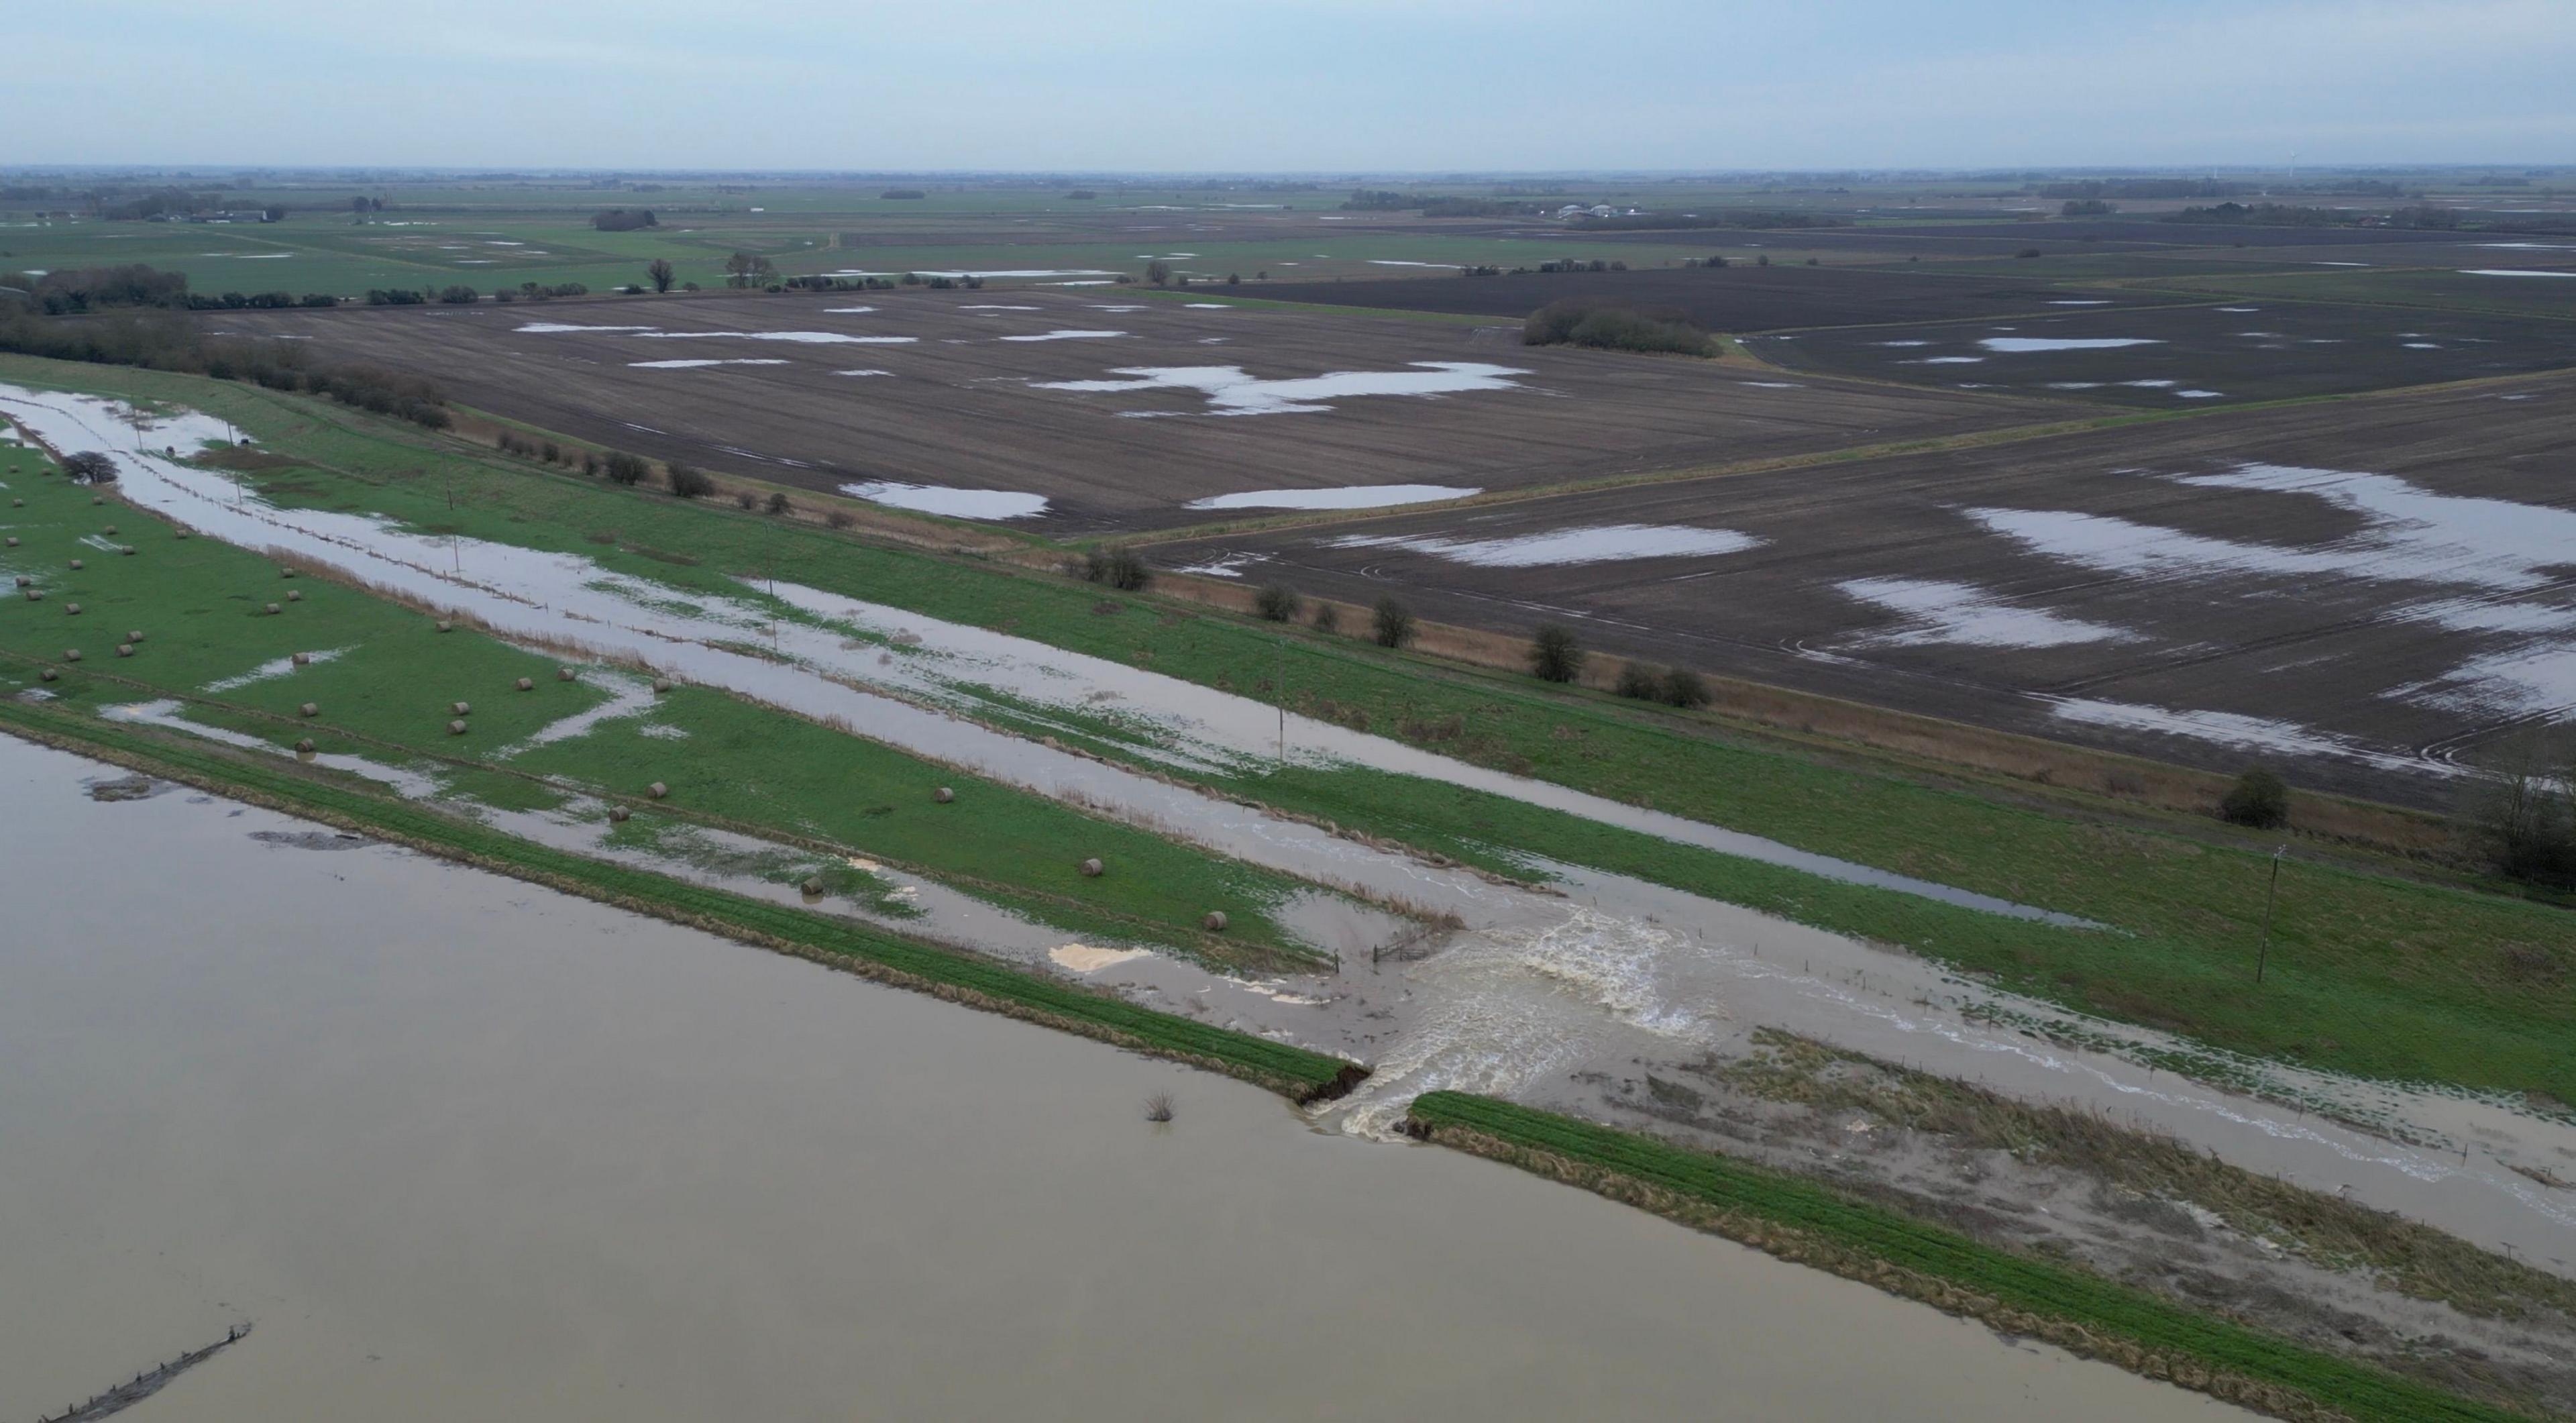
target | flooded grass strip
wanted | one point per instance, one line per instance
(1293, 1072)
(1813, 1224)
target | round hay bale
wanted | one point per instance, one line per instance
(17, 503)
(128, 550)
(445, 626)
(274, 610)
(286, 573)
(1215, 921)
(813, 888)
(23, 579)
(526, 685)
(456, 728)
(49, 674)
(13, 541)
(35, 595)
(943, 795)
(181, 534)
(295, 595)
(302, 659)
(657, 790)
(98, 499)
(462, 707)
(563, 674)
(304, 747)
(71, 609)
(661, 685)
(311, 709)
(71, 654)
(125, 649)
(76, 563)
(619, 813)
(1093, 869)
(134, 637)
(110, 531)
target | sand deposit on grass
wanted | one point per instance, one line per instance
(689, 365)
(1964, 615)
(955, 503)
(1354, 496)
(1604, 544)
(1231, 390)
(2019, 344)
(1068, 336)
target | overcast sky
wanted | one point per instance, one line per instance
(1383, 85)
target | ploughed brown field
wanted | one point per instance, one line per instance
(1738, 297)
(961, 389)
(2368, 591)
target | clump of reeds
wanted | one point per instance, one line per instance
(1158, 1108)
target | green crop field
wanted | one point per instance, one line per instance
(1747, 1202)
(2371, 973)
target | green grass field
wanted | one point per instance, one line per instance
(2370, 973)
(384, 681)
(1827, 1227)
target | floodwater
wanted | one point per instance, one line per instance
(942, 499)
(1231, 390)
(1533, 989)
(1604, 543)
(460, 1147)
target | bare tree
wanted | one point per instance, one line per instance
(661, 274)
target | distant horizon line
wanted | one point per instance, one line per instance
(1984, 171)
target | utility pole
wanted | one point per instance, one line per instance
(2271, 897)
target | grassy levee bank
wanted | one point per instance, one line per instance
(1813, 1224)
(983, 983)
(2370, 973)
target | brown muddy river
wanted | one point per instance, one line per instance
(463, 1148)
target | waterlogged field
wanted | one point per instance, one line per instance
(2228, 351)
(2371, 593)
(1069, 411)
(2355, 1000)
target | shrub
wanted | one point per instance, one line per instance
(1327, 618)
(1641, 681)
(90, 467)
(589, 463)
(778, 503)
(745, 499)
(1391, 623)
(1554, 654)
(457, 295)
(1121, 568)
(626, 469)
(840, 518)
(1683, 688)
(690, 483)
(2259, 799)
(1579, 322)
(2524, 817)
(1276, 603)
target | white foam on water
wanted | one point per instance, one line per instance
(690, 365)
(955, 503)
(1935, 612)
(1353, 496)
(1601, 544)
(2018, 344)
(1231, 390)
(1068, 336)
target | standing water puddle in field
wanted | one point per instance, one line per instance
(1967, 616)
(1603, 544)
(1349, 496)
(1231, 390)
(940, 499)
(1623, 969)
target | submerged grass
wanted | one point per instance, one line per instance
(1815, 1224)
(826, 939)
(2370, 974)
